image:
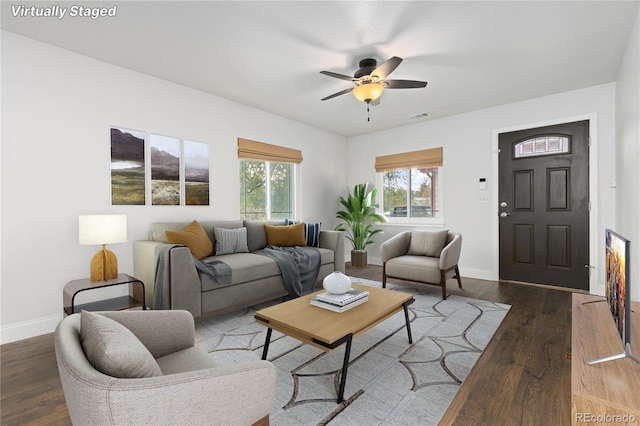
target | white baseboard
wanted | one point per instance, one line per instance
(26, 329)
(479, 274)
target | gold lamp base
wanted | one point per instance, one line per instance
(104, 265)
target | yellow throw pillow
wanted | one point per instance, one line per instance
(194, 237)
(285, 236)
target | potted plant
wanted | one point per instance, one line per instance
(359, 217)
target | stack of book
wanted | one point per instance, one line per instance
(340, 302)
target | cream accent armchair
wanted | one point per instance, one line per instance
(399, 262)
(192, 389)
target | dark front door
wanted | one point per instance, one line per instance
(544, 205)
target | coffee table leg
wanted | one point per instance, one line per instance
(266, 344)
(345, 366)
(406, 318)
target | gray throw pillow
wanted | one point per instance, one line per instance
(229, 241)
(113, 349)
(428, 243)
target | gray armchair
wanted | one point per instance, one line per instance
(189, 387)
(425, 257)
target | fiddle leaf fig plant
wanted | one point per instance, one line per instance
(360, 216)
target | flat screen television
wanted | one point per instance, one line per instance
(617, 286)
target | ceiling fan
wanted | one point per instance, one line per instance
(370, 81)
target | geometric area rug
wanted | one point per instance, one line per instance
(389, 382)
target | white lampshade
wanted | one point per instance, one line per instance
(102, 229)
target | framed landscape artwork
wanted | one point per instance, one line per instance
(173, 161)
(196, 172)
(127, 167)
(165, 170)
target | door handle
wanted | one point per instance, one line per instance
(504, 214)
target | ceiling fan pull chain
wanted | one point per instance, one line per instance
(368, 118)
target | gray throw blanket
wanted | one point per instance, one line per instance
(215, 269)
(299, 267)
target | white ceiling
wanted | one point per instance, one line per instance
(268, 54)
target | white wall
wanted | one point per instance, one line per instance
(469, 144)
(628, 153)
(57, 108)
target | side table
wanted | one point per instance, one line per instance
(135, 299)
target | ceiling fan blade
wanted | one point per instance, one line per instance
(342, 92)
(336, 75)
(387, 67)
(405, 84)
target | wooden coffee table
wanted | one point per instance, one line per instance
(326, 329)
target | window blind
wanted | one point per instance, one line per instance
(410, 160)
(252, 150)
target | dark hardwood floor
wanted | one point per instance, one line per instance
(522, 378)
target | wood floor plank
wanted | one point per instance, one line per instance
(31, 389)
(522, 377)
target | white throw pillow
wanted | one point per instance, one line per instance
(428, 243)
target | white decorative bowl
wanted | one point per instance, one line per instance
(336, 283)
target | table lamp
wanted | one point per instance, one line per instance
(103, 229)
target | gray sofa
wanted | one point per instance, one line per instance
(255, 278)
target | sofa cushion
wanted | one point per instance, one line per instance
(189, 359)
(285, 236)
(428, 243)
(194, 237)
(416, 268)
(256, 235)
(246, 267)
(311, 231)
(251, 267)
(326, 256)
(230, 241)
(158, 231)
(113, 349)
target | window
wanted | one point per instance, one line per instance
(267, 188)
(417, 188)
(541, 145)
(411, 184)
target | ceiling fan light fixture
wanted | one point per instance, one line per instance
(368, 92)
